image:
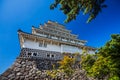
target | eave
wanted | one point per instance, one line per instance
(23, 35)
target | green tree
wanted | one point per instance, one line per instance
(107, 64)
(71, 8)
(101, 68)
(66, 65)
(87, 61)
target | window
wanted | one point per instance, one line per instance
(45, 44)
(34, 54)
(48, 55)
(54, 37)
(29, 54)
(40, 44)
(52, 56)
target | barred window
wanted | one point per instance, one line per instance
(48, 55)
(52, 56)
(34, 54)
(45, 44)
(29, 54)
(40, 44)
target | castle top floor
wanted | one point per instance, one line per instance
(52, 37)
(57, 31)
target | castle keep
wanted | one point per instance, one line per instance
(50, 41)
(42, 49)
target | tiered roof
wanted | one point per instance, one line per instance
(55, 32)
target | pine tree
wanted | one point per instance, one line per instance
(107, 64)
(72, 8)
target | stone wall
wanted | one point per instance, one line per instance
(40, 54)
(28, 69)
(31, 67)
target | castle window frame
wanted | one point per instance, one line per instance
(40, 44)
(52, 55)
(34, 54)
(48, 55)
(45, 44)
(29, 54)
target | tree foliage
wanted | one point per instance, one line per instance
(66, 68)
(107, 64)
(104, 65)
(72, 8)
(66, 65)
(101, 68)
(87, 61)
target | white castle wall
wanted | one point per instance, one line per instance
(35, 45)
(70, 49)
(53, 47)
(91, 52)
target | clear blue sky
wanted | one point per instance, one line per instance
(22, 14)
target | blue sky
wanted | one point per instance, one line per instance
(22, 14)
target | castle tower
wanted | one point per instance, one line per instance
(50, 41)
(42, 49)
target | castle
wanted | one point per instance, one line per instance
(42, 49)
(50, 41)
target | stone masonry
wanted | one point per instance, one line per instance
(34, 69)
(28, 69)
(31, 65)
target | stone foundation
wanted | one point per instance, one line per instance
(40, 54)
(35, 67)
(28, 69)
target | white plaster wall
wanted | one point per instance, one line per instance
(35, 45)
(91, 52)
(70, 49)
(51, 47)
